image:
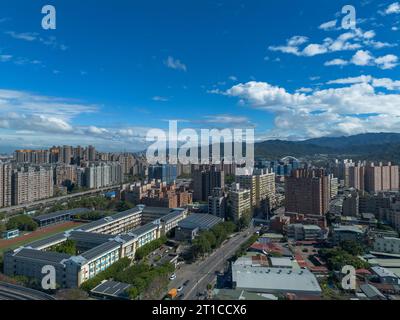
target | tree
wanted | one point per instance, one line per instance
(352, 247)
(22, 223)
(124, 205)
(244, 221)
(68, 247)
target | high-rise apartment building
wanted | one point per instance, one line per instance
(334, 185)
(262, 188)
(5, 184)
(307, 192)
(101, 175)
(239, 202)
(32, 156)
(381, 177)
(205, 179)
(31, 184)
(368, 176)
(217, 203)
(91, 153)
(164, 172)
(351, 203)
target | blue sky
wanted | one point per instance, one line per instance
(113, 69)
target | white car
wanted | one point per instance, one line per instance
(180, 289)
(172, 277)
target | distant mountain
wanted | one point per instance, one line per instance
(356, 140)
(276, 149)
(370, 146)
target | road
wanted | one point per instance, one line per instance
(56, 199)
(15, 292)
(201, 273)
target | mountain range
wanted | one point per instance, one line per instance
(368, 146)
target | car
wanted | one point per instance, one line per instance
(172, 277)
(186, 283)
(180, 297)
(180, 288)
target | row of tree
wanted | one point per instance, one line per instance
(211, 239)
(145, 250)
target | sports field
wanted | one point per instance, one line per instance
(36, 235)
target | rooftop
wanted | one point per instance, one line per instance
(383, 272)
(199, 220)
(265, 279)
(44, 256)
(60, 213)
(112, 289)
(100, 250)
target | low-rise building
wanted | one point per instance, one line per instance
(385, 276)
(302, 232)
(188, 228)
(275, 280)
(99, 244)
(345, 233)
(387, 244)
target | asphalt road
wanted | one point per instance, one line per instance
(201, 273)
(15, 292)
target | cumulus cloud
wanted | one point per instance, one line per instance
(366, 58)
(348, 41)
(28, 119)
(386, 83)
(393, 8)
(355, 108)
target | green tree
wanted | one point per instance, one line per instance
(352, 247)
(68, 247)
(22, 223)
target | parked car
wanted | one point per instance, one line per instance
(172, 277)
(180, 288)
(186, 283)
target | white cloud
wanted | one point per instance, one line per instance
(50, 41)
(160, 98)
(27, 36)
(306, 90)
(389, 61)
(297, 40)
(330, 25)
(365, 58)
(336, 62)
(314, 49)
(393, 8)
(175, 64)
(362, 58)
(348, 41)
(355, 108)
(386, 83)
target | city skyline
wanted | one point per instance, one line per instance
(108, 73)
